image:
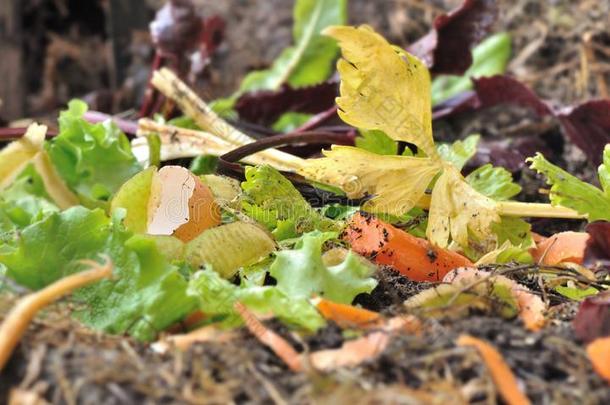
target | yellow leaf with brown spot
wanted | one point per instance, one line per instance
(397, 182)
(383, 87)
(458, 211)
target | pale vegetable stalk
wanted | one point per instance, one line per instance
(17, 321)
(29, 149)
(186, 143)
(523, 209)
(194, 107)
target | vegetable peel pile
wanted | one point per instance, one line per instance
(251, 234)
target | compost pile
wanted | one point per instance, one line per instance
(412, 207)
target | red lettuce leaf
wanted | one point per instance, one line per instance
(587, 125)
(593, 318)
(265, 107)
(446, 48)
(597, 253)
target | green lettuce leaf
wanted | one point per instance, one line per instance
(459, 152)
(301, 272)
(205, 164)
(575, 293)
(309, 61)
(25, 201)
(571, 192)
(290, 121)
(377, 142)
(494, 182)
(514, 230)
(93, 159)
(146, 293)
(490, 58)
(272, 200)
(216, 297)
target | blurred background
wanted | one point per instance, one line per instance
(101, 50)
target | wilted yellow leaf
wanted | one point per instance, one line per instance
(457, 211)
(29, 149)
(383, 87)
(397, 182)
(17, 155)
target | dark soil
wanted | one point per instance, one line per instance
(66, 364)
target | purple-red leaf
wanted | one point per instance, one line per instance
(593, 318)
(446, 48)
(597, 253)
(500, 89)
(265, 107)
(509, 153)
(587, 125)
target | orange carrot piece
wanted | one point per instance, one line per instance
(561, 247)
(413, 257)
(503, 377)
(348, 316)
(266, 336)
(599, 355)
(18, 319)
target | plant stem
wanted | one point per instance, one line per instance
(523, 209)
(538, 210)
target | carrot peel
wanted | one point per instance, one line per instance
(503, 377)
(599, 355)
(415, 258)
(17, 321)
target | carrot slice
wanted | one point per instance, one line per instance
(561, 247)
(272, 340)
(347, 316)
(415, 258)
(503, 377)
(599, 355)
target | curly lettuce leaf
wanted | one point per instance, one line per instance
(272, 200)
(571, 192)
(301, 272)
(216, 297)
(93, 159)
(25, 201)
(383, 87)
(146, 293)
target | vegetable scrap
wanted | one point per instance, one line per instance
(319, 220)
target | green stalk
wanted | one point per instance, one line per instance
(537, 210)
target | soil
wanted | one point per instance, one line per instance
(61, 362)
(65, 363)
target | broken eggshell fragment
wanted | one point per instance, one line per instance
(180, 205)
